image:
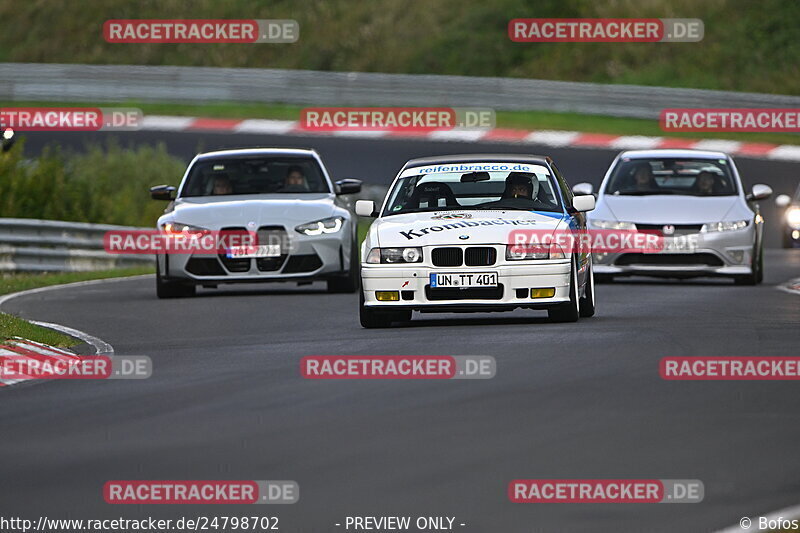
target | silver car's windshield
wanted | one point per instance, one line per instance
(256, 175)
(533, 190)
(684, 176)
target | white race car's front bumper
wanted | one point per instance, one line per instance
(413, 285)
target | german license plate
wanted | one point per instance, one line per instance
(463, 279)
(681, 244)
(260, 250)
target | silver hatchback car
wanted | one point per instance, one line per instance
(711, 226)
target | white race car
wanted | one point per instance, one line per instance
(285, 196)
(441, 241)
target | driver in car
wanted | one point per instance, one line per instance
(295, 180)
(222, 185)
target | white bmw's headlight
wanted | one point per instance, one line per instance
(793, 217)
(724, 226)
(318, 227)
(521, 252)
(395, 255)
(611, 224)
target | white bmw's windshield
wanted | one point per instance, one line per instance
(441, 188)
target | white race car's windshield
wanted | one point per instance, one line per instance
(531, 190)
(692, 177)
(258, 175)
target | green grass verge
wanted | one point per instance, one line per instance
(525, 120)
(12, 326)
(747, 45)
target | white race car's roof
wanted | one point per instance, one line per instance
(260, 151)
(685, 153)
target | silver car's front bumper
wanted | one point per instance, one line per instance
(316, 257)
(726, 253)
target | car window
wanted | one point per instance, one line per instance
(256, 175)
(683, 176)
(530, 190)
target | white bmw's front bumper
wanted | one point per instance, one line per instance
(412, 282)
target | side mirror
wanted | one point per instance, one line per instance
(760, 192)
(783, 200)
(365, 208)
(162, 192)
(581, 204)
(348, 186)
(582, 189)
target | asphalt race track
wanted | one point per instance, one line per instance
(585, 400)
(376, 161)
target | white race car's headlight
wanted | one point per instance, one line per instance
(793, 217)
(611, 224)
(724, 226)
(521, 252)
(394, 255)
(318, 227)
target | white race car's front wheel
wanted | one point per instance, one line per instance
(587, 301)
(568, 311)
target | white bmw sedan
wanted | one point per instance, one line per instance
(441, 241)
(285, 197)
(711, 226)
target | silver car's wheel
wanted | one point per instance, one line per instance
(172, 289)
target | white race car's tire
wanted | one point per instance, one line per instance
(587, 301)
(568, 311)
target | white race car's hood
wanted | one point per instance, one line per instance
(450, 227)
(667, 209)
(213, 213)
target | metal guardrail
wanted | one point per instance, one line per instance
(31, 245)
(110, 83)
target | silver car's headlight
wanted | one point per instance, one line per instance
(177, 228)
(793, 217)
(724, 226)
(611, 224)
(394, 255)
(318, 227)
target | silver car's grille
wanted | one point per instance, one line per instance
(677, 229)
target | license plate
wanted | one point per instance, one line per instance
(680, 245)
(463, 279)
(261, 250)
